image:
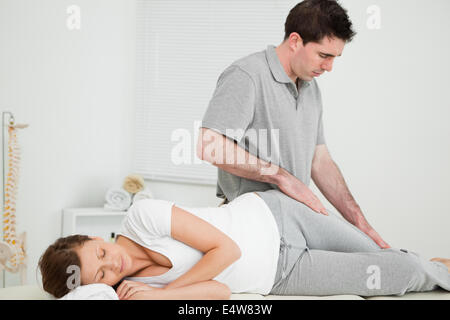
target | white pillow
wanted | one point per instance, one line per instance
(95, 291)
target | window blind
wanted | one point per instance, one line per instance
(182, 48)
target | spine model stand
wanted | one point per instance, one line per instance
(12, 247)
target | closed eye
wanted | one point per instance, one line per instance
(104, 254)
(101, 257)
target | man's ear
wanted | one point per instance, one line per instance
(295, 40)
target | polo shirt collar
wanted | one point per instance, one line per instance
(277, 68)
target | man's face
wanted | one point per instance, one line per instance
(313, 59)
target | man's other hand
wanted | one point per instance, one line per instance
(367, 229)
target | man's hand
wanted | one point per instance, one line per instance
(128, 288)
(367, 229)
(328, 178)
(297, 190)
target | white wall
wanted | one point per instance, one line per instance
(385, 105)
(76, 90)
(386, 121)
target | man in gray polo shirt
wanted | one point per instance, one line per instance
(267, 106)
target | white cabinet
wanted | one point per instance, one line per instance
(91, 221)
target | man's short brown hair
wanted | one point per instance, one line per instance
(315, 19)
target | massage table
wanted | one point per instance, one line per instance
(34, 292)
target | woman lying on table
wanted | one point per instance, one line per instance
(263, 242)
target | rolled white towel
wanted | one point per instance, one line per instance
(117, 199)
(94, 291)
(144, 194)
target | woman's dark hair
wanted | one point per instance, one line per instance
(315, 19)
(55, 261)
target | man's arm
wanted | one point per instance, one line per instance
(328, 178)
(227, 155)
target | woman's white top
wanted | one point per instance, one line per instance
(247, 220)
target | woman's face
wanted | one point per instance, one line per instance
(103, 262)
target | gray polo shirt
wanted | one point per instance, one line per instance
(256, 104)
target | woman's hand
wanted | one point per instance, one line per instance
(205, 290)
(128, 288)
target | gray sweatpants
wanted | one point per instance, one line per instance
(326, 255)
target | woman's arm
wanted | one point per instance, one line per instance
(205, 290)
(220, 251)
